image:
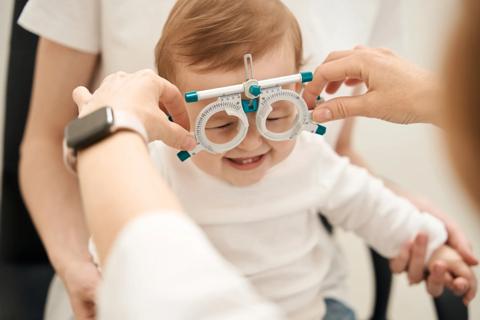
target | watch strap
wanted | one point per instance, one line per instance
(122, 120)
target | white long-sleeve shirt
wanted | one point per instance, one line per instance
(271, 233)
(161, 266)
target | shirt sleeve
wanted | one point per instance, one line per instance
(163, 267)
(359, 202)
(72, 23)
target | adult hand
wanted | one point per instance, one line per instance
(397, 91)
(143, 94)
(412, 260)
(447, 266)
(81, 281)
(412, 256)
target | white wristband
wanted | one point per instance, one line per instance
(122, 120)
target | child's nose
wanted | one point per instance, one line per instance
(253, 140)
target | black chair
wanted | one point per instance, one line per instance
(24, 269)
(448, 306)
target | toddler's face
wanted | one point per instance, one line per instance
(250, 160)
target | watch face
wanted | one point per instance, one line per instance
(83, 132)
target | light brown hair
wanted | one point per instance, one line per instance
(463, 100)
(215, 34)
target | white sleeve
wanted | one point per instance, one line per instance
(163, 267)
(357, 201)
(72, 23)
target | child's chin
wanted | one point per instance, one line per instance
(244, 180)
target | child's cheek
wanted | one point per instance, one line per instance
(281, 149)
(208, 162)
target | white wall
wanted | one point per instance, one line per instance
(411, 156)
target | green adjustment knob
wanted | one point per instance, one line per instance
(306, 76)
(255, 90)
(320, 130)
(183, 155)
(191, 96)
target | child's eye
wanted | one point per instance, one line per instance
(281, 116)
(221, 126)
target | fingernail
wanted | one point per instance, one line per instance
(190, 143)
(322, 115)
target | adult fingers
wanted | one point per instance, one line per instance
(462, 280)
(471, 292)
(172, 101)
(417, 259)
(458, 241)
(349, 66)
(352, 82)
(81, 96)
(460, 286)
(84, 310)
(459, 269)
(400, 262)
(436, 279)
(341, 107)
(333, 87)
(175, 135)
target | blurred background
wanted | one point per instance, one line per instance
(413, 157)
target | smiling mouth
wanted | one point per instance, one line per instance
(246, 163)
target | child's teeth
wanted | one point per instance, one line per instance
(246, 161)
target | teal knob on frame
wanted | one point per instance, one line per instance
(191, 96)
(320, 130)
(183, 155)
(307, 76)
(255, 90)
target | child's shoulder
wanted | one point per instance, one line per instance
(314, 145)
(157, 150)
(161, 155)
(312, 153)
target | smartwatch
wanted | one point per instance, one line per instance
(84, 132)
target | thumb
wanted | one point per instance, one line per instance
(175, 136)
(466, 254)
(81, 96)
(460, 243)
(340, 108)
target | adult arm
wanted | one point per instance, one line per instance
(50, 192)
